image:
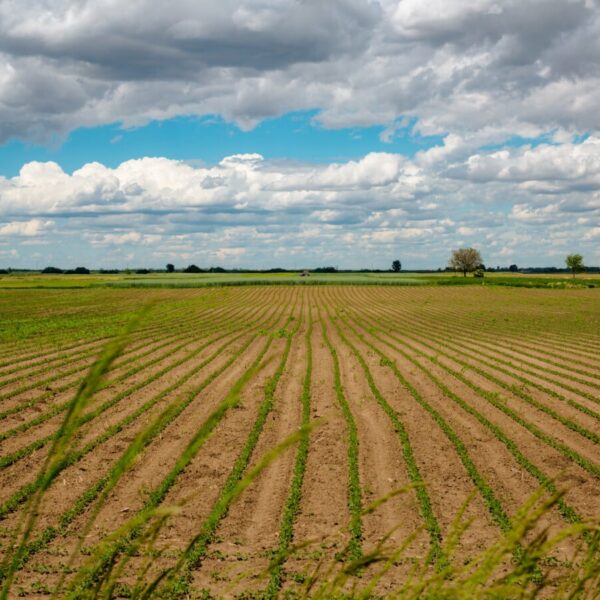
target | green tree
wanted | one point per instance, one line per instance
(170, 268)
(575, 263)
(396, 266)
(465, 260)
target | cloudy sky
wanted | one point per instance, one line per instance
(260, 133)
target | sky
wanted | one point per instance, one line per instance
(298, 133)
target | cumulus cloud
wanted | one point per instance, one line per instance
(478, 74)
(483, 69)
(551, 168)
(248, 211)
(24, 228)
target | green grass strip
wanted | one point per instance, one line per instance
(292, 506)
(354, 491)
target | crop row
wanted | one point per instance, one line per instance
(189, 329)
(11, 458)
(215, 320)
(493, 399)
(470, 317)
(412, 468)
(497, 512)
(192, 557)
(292, 505)
(429, 329)
(372, 327)
(502, 330)
(143, 439)
(495, 364)
(181, 327)
(25, 491)
(171, 316)
(106, 554)
(354, 490)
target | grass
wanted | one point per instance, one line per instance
(185, 280)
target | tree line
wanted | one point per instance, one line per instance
(462, 260)
(468, 260)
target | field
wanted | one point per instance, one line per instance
(23, 280)
(264, 441)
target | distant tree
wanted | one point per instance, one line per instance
(193, 269)
(513, 268)
(217, 270)
(52, 270)
(396, 266)
(465, 260)
(170, 268)
(142, 271)
(325, 270)
(78, 271)
(575, 263)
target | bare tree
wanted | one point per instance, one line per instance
(465, 260)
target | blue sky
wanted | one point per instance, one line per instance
(262, 133)
(293, 136)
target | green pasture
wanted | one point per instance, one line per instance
(18, 280)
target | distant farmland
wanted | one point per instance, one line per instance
(453, 405)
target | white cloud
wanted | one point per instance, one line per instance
(245, 209)
(459, 67)
(543, 168)
(24, 228)
(225, 253)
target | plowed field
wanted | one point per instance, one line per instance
(441, 400)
